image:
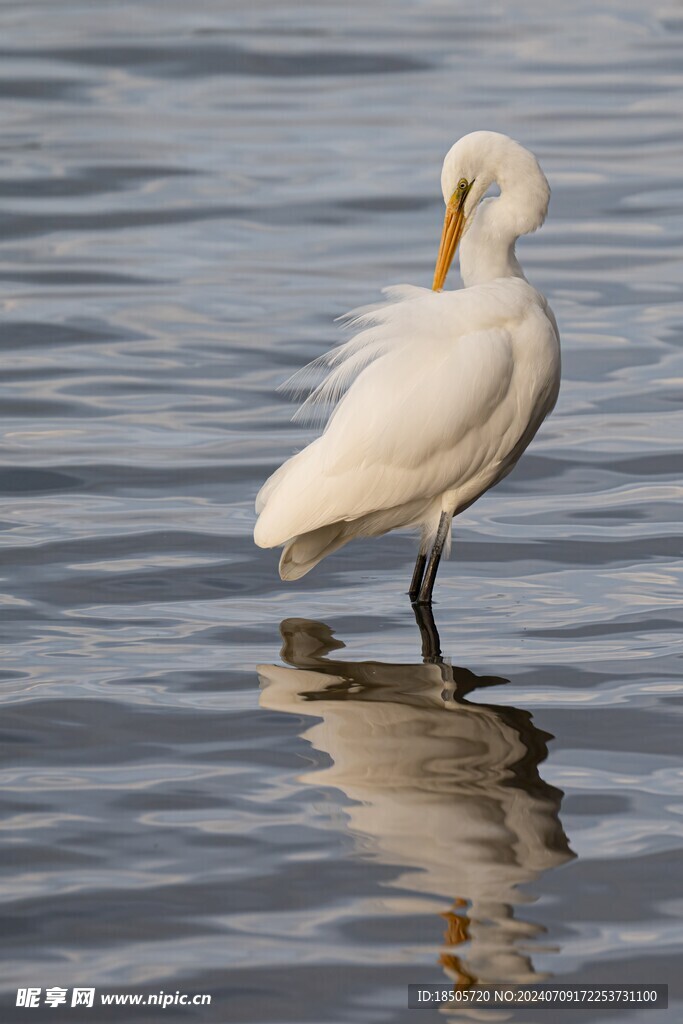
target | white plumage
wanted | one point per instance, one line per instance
(438, 394)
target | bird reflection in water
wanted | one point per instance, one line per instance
(444, 788)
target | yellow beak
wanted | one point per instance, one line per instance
(453, 225)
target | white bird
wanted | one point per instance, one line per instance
(439, 393)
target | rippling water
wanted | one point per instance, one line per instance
(189, 194)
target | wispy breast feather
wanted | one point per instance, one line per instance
(338, 368)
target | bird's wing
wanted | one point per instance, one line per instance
(413, 422)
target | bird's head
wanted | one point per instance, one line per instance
(471, 166)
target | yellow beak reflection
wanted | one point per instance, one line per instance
(453, 225)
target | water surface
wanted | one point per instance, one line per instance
(189, 195)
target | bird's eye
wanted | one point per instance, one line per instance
(459, 196)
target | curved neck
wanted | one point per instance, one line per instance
(487, 250)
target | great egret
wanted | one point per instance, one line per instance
(439, 393)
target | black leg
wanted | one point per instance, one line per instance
(418, 573)
(431, 644)
(425, 595)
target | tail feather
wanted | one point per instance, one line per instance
(302, 553)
